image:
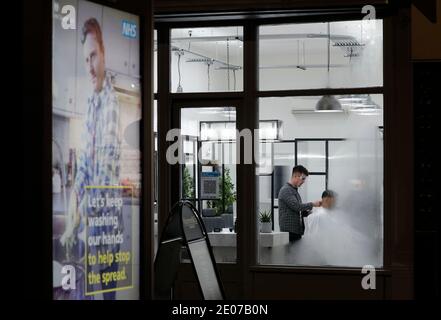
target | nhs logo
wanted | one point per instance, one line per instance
(129, 29)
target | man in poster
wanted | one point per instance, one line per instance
(98, 164)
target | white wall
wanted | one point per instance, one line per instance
(315, 125)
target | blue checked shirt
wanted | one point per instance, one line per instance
(99, 159)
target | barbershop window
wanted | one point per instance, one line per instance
(209, 60)
(352, 49)
(336, 136)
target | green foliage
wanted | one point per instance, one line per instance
(265, 216)
(226, 192)
(187, 185)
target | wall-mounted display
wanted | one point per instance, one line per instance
(210, 185)
(96, 108)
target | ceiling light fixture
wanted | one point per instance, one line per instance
(179, 89)
(328, 103)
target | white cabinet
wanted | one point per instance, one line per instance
(117, 47)
(134, 69)
(122, 52)
(64, 63)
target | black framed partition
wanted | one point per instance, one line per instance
(278, 177)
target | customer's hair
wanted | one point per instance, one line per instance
(300, 169)
(92, 26)
(328, 194)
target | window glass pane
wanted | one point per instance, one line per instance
(269, 130)
(348, 229)
(284, 153)
(265, 164)
(356, 171)
(265, 192)
(96, 161)
(313, 187)
(215, 173)
(206, 59)
(189, 146)
(311, 154)
(283, 160)
(355, 51)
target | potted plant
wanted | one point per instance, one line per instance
(227, 196)
(265, 221)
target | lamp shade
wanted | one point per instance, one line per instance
(328, 103)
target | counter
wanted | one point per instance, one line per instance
(224, 244)
(267, 240)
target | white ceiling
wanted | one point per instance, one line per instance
(210, 41)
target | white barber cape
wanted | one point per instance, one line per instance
(330, 241)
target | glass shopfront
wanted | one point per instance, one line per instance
(254, 95)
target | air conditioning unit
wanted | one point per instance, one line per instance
(314, 111)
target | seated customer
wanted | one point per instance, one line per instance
(314, 221)
(330, 240)
(328, 199)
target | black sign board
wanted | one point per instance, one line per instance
(184, 228)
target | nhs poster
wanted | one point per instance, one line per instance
(96, 175)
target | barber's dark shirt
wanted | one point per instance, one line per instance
(290, 208)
